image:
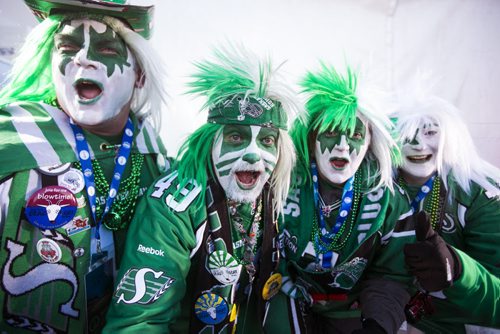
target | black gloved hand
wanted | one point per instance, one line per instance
(370, 326)
(430, 259)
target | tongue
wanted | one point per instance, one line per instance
(339, 163)
(246, 177)
(88, 91)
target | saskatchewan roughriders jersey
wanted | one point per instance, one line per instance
(45, 259)
(471, 224)
(182, 270)
(372, 241)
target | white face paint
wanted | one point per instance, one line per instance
(244, 158)
(339, 155)
(420, 153)
(93, 72)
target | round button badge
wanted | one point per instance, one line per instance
(51, 207)
(49, 250)
(271, 287)
(211, 309)
(224, 267)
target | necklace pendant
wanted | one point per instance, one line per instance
(327, 210)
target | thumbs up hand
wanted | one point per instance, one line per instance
(430, 259)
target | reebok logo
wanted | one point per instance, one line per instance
(150, 250)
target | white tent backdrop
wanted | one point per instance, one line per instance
(458, 40)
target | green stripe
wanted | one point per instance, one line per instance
(50, 129)
(226, 162)
(147, 139)
(12, 147)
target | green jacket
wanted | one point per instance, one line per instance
(167, 262)
(472, 226)
(34, 293)
(373, 249)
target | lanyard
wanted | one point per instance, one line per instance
(345, 209)
(88, 172)
(422, 193)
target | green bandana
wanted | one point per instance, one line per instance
(249, 111)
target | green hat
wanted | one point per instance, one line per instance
(251, 110)
(139, 18)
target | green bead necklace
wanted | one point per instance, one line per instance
(341, 238)
(124, 205)
(433, 205)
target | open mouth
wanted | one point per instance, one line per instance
(419, 159)
(339, 163)
(89, 91)
(247, 179)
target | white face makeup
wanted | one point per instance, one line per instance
(244, 157)
(339, 155)
(420, 153)
(93, 71)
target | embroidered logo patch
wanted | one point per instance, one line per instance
(346, 275)
(142, 286)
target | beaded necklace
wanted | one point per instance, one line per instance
(249, 238)
(124, 205)
(328, 209)
(327, 241)
(433, 206)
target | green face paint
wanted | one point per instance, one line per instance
(244, 158)
(107, 47)
(356, 140)
(84, 59)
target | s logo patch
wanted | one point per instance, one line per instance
(142, 286)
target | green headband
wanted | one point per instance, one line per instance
(249, 111)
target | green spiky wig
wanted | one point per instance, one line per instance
(334, 102)
(239, 89)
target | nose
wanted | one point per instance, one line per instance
(342, 146)
(251, 158)
(417, 143)
(81, 59)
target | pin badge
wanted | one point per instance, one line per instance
(78, 224)
(73, 180)
(224, 267)
(51, 207)
(55, 169)
(272, 286)
(211, 309)
(49, 250)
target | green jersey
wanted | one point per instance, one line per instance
(45, 272)
(184, 270)
(370, 247)
(471, 226)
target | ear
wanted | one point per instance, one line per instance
(140, 78)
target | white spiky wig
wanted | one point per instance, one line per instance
(457, 155)
(31, 79)
(335, 101)
(237, 71)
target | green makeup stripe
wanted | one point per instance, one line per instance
(108, 39)
(225, 173)
(269, 162)
(74, 38)
(226, 162)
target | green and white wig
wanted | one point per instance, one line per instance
(31, 78)
(237, 74)
(334, 102)
(457, 155)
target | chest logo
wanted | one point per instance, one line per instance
(142, 286)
